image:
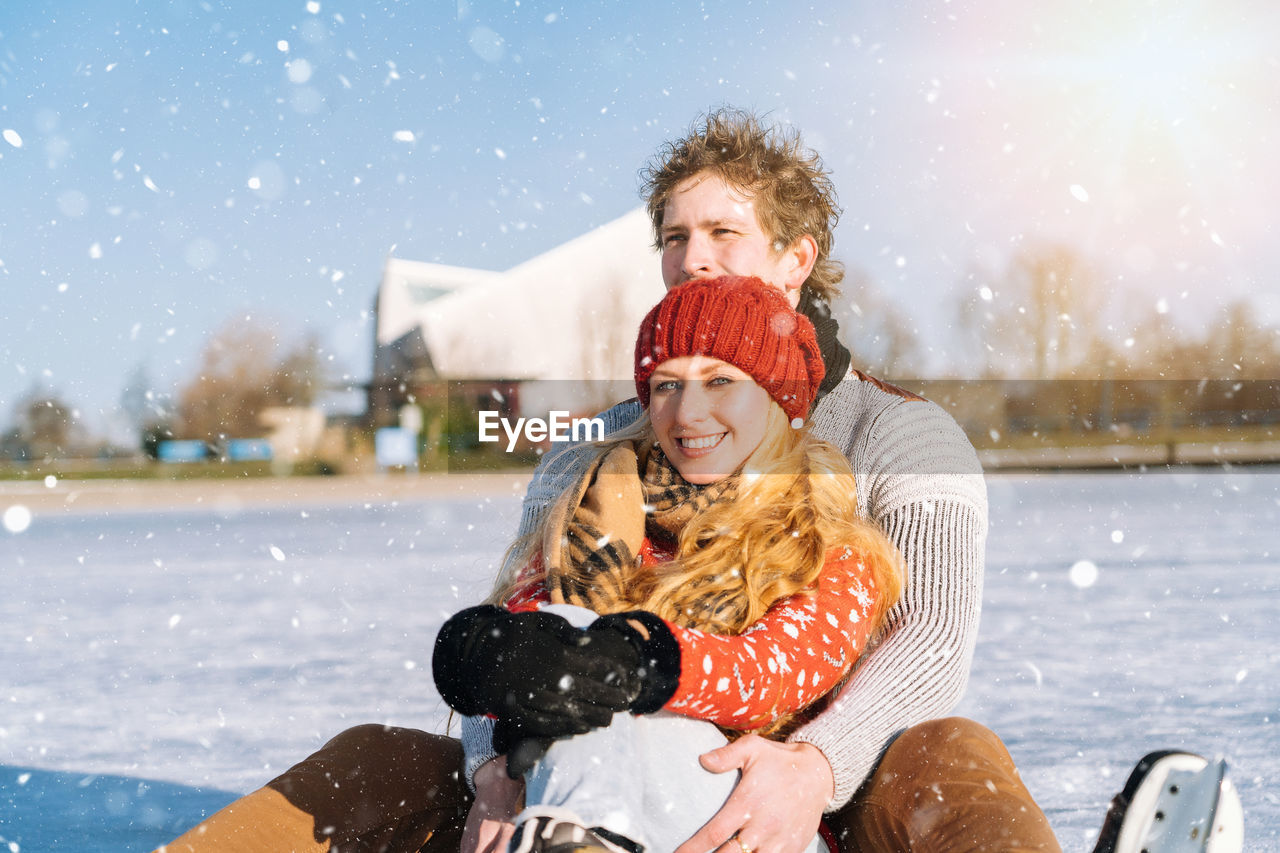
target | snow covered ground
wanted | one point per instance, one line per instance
(153, 665)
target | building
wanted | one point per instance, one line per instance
(558, 329)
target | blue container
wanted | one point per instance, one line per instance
(248, 450)
(396, 447)
(189, 450)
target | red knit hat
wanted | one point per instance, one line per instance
(742, 321)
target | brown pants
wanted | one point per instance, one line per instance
(946, 785)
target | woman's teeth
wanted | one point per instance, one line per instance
(701, 442)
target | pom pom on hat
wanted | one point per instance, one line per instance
(744, 322)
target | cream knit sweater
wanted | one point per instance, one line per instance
(919, 479)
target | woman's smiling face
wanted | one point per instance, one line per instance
(709, 416)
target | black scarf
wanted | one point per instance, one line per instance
(835, 356)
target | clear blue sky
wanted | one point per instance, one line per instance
(165, 166)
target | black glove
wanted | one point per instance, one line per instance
(522, 751)
(655, 659)
(535, 667)
(544, 679)
(652, 655)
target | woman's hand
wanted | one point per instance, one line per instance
(548, 678)
(491, 821)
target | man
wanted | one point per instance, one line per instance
(734, 197)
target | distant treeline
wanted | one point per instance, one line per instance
(996, 411)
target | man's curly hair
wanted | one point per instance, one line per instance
(791, 188)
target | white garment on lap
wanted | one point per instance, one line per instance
(639, 777)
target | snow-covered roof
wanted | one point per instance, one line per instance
(409, 286)
(569, 313)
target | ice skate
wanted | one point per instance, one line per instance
(558, 831)
(1174, 802)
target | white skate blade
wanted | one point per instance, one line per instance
(1185, 804)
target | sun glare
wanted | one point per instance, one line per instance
(1153, 118)
(1169, 93)
(1136, 132)
(1166, 71)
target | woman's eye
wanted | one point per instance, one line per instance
(720, 380)
(669, 385)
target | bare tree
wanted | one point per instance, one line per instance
(243, 371)
(878, 333)
(149, 412)
(1236, 346)
(1239, 347)
(46, 425)
(1036, 320)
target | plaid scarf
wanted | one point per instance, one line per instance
(593, 539)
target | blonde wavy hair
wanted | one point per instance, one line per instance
(792, 189)
(795, 501)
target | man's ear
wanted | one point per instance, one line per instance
(799, 259)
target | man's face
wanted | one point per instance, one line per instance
(710, 229)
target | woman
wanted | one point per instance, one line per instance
(715, 540)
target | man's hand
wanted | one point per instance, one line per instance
(491, 821)
(777, 803)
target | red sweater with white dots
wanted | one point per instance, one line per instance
(794, 654)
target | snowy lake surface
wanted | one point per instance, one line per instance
(156, 664)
